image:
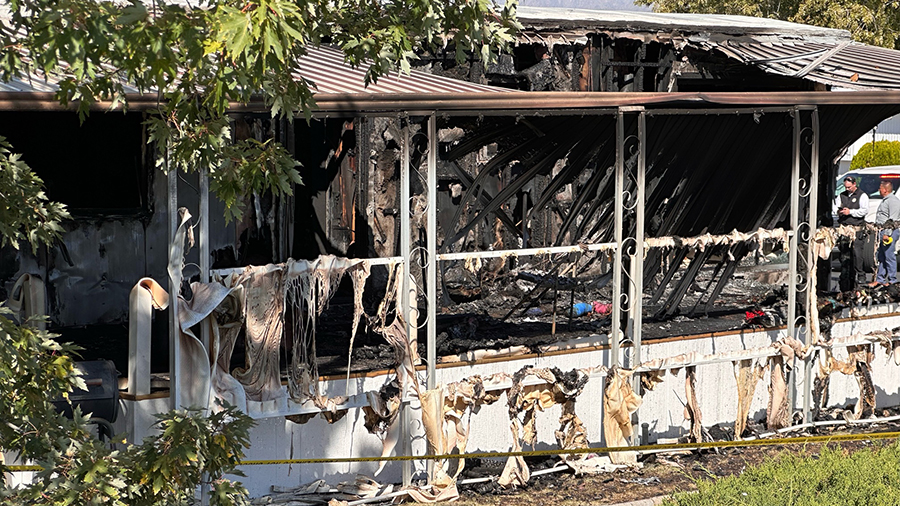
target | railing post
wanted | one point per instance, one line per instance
(431, 271)
(637, 258)
(174, 286)
(405, 302)
(615, 327)
(636, 295)
(812, 313)
(802, 278)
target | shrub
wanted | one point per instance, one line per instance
(883, 153)
(77, 469)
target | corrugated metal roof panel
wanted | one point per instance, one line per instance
(326, 69)
(323, 67)
(848, 65)
(36, 83)
(588, 20)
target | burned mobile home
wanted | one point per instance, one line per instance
(587, 50)
(447, 230)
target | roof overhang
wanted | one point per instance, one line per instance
(502, 103)
(584, 21)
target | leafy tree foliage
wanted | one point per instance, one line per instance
(77, 468)
(876, 155)
(25, 212)
(875, 22)
(201, 58)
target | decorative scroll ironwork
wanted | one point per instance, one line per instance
(629, 212)
(802, 316)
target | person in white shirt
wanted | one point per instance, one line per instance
(851, 207)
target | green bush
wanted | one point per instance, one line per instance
(884, 153)
(869, 477)
(77, 469)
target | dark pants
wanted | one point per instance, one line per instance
(852, 261)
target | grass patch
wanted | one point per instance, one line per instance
(832, 476)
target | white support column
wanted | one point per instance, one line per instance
(615, 328)
(792, 254)
(174, 341)
(431, 271)
(409, 315)
(812, 313)
(636, 288)
(204, 278)
(204, 243)
(431, 275)
(637, 258)
(795, 223)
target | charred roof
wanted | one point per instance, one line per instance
(718, 45)
(585, 21)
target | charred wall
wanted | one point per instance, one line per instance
(105, 172)
(609, 61)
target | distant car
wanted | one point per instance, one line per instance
(869, 180)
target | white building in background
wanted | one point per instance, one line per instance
(887, 130)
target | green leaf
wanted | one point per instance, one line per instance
(132, 14)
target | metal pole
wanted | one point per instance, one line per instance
(637, 260)
(204, 241)
(495, 253)
(174, 330)
(431, 275)
(637, 263)
(812, 285)
(813, 193)
(408, 314)
(792, 256)
(615, 328)
(431, 281)
(204, 278)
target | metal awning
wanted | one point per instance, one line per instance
(844, 64)
(536, 102)
(324, 67)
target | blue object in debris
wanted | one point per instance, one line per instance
(534, 311)
(582, 308)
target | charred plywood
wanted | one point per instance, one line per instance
(349, 199)
(90, 277)
(381, 206)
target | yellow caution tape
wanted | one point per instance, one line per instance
(574, 451)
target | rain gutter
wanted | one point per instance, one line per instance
(503, 103)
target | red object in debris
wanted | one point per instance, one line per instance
(756, 313)
(601, 308)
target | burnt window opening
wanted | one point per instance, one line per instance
(715, 71)
(96, 167)
(631, 65)
(528, 55)
(324, 217)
